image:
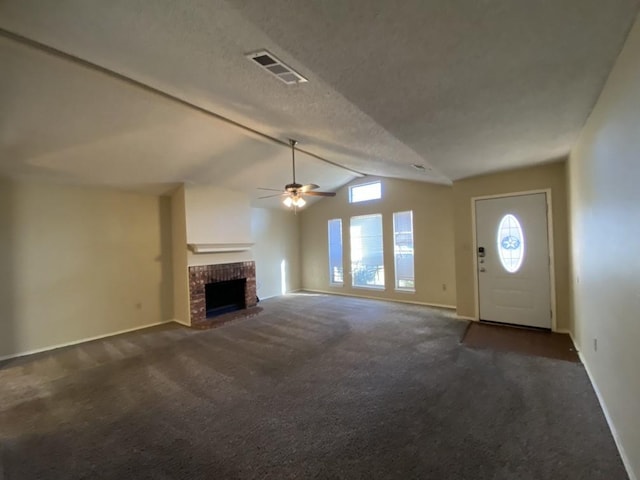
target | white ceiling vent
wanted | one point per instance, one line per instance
(275, 67)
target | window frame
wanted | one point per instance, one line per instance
(508, 263)
(331, 273)
(351, 263)
(352, 187)
(396, 253)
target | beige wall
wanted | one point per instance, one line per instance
(433, 238)
(276, 235)
(552, 176)
(79, 263)
(181, 313)
(604, 180)
(8, 268)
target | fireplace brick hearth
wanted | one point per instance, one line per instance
(201, 275)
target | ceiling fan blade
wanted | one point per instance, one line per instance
(270, 189)
(271, 196)
(306, 188)
(321, 194)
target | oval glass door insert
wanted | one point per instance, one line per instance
(510, 243)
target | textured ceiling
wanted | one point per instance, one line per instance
(67, 123)
(472, 86)
(464, 87)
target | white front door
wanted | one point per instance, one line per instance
(513, 260)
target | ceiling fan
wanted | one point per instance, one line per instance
(294, 192)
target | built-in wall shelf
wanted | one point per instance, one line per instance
(219, 247)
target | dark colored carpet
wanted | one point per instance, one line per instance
(521, 340)
(314, 387)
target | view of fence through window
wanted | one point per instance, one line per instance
(367, 262)
(336, 276)
(403, 250)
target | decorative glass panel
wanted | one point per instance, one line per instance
(510, 243)
(335, 252)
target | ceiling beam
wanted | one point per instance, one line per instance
(148, 88)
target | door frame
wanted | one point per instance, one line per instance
(552, 263)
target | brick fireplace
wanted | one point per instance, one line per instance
(201, 275)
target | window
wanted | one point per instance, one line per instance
(510, 243)
(367, 262)
(403, 250)
(335, 252)
(364, 192)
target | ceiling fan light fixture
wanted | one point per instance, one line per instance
(294, 201)
(293, 192)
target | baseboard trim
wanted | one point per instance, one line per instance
(174, 320)
(425, 304)
(616, 438)
(295, 290)
(83, 340)
(464, 317)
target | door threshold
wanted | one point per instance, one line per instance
(515, 325)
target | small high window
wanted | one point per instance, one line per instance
(365, 192)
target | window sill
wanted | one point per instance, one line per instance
(371, 287)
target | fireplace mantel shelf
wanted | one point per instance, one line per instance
(219, 247)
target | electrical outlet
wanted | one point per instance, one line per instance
(595, 344)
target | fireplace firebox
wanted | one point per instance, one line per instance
(239, 296)
(224, 297)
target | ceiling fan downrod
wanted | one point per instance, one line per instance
(293, 144)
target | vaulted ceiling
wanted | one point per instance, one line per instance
(122, 93)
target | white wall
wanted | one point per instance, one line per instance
(79, 263)
(217, 215)
(604, 184)
(276, 235)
